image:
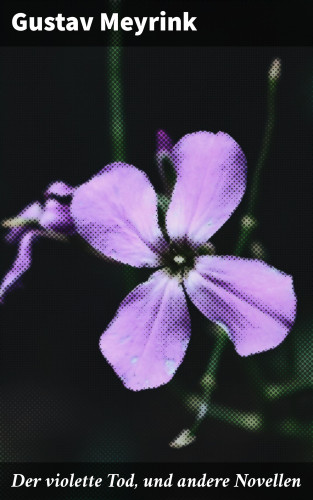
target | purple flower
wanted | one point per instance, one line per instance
(116, 212)
(51, 220)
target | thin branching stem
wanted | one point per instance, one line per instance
(247, 227)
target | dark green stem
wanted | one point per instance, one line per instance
(277, 391)
(117, 127)
(116, 92)
(249, 220)
(250, 421)
(249, 223)
(267, 139)
(208, 381)
(213, 363)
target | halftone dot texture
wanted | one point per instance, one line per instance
(116, 98)
(116, 113)
(163, 152)
(52, 219)
(164, 144)
(116, 212)
(249, 222)
(116, 92)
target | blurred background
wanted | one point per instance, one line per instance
(60, 399)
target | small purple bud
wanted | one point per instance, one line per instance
(164, 144)
(165, 161)
(51, 220)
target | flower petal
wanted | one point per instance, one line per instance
(57, 217)
(146, 341)
(21, 264)
(116, 212)
(254, 303)
(210, 184)
(59, 188)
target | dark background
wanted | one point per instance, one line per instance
(218, 22)
(61, 401)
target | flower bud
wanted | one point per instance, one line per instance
(15, 222)
(164, 144)
(275, 70)
(258, 250)
(252, 422)
(248, 222)
(165, 161)
(183, 439)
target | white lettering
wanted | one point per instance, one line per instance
(86, 24)
(109, 24)
(127, 23)
(72, 24)
(188, 23)
(49, 21)
(140, 25)
(17, 22)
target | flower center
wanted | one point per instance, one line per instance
(178, 259)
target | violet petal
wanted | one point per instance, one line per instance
(210, 183)
(147, 339)
(57, 217)
(252, 301)
(116, 212)
(59, 188)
